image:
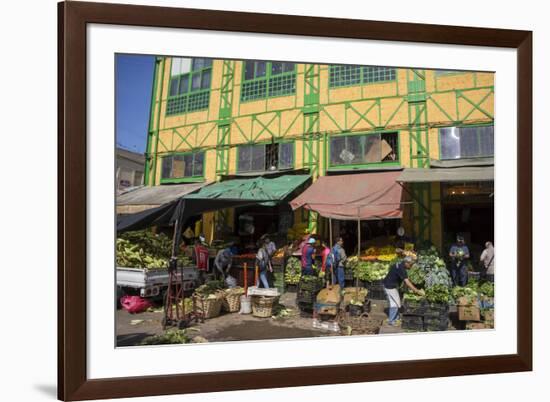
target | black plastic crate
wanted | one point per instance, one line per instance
(376, 295)
(306, 307)
(436, 324)
(412, 322)
(437, 310)
(311, 285)
(306, 296)
(348, 275)
(413, 307)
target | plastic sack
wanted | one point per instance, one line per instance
(230, 281)
(134, 304)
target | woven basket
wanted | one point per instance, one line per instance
(232, 302)
(208, 308)
(262, 306)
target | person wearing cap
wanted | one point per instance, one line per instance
(202, 239)
(223, 260)
(459, 254)
(308, 255)
(263, 260)
(392, 282)
(340, 258)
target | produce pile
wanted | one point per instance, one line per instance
(467, 293)
(487, 289)
(293, 271)
(430, 273)
(210, 290)
(143, 249)
(168, 338)
(371, 271)
(386, 253)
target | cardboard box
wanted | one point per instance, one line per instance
(476, 325)
(489, 315)
(469, 313)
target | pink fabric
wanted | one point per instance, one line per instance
(134, 304)
(363, 196)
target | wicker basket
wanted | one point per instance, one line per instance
(208, 308)
(262, 306)
(232, 301)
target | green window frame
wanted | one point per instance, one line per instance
(190, 91)
(182, 167)
(252, 158)
(457, 142)
(346, 75)
(364, 149)
(267, 79)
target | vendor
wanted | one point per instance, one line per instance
(326, 261)
(200, 259)
(223, 260)
(392, 282)
(459, 254)
(340, 257)
(202, 239)
(308, 255)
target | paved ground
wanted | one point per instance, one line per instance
(133, 328)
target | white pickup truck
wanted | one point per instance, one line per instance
(151, 282)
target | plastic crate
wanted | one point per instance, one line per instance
(348, 275)
(436, 324)
(306, 307)
(377, 295)
(311, 285)
(412, 322)
(437, 310)
(412, 307)
(306, 296)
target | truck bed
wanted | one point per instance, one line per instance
(142, 277)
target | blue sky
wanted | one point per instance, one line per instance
(134, 80)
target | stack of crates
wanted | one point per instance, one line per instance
(376, 290)
(307, 293)
(424, 316)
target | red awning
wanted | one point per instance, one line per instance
(365, 196)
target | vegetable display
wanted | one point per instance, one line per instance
(470, 294)
(438, 294)
(487, 289)
(386, 253)
(413, 297)
(371, 271)
(210, 289)
(143, 249)
(293, 271)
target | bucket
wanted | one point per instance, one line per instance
(246, 305)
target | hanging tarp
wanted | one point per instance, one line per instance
(260, 189)
(450, 175)
(226, 194)
(364, 196)
(148, 197)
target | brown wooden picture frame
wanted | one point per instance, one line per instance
(73, 17)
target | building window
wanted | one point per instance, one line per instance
(342, 76)
(179, 166)
(364, 149)
(189, 85)
(467, 142)
(265, 157)
(263, 79)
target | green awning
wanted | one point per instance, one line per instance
(259, 189)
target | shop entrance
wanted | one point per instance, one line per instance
(468, 209)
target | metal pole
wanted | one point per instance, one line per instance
(330, 231)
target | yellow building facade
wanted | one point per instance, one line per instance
(212, 119)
